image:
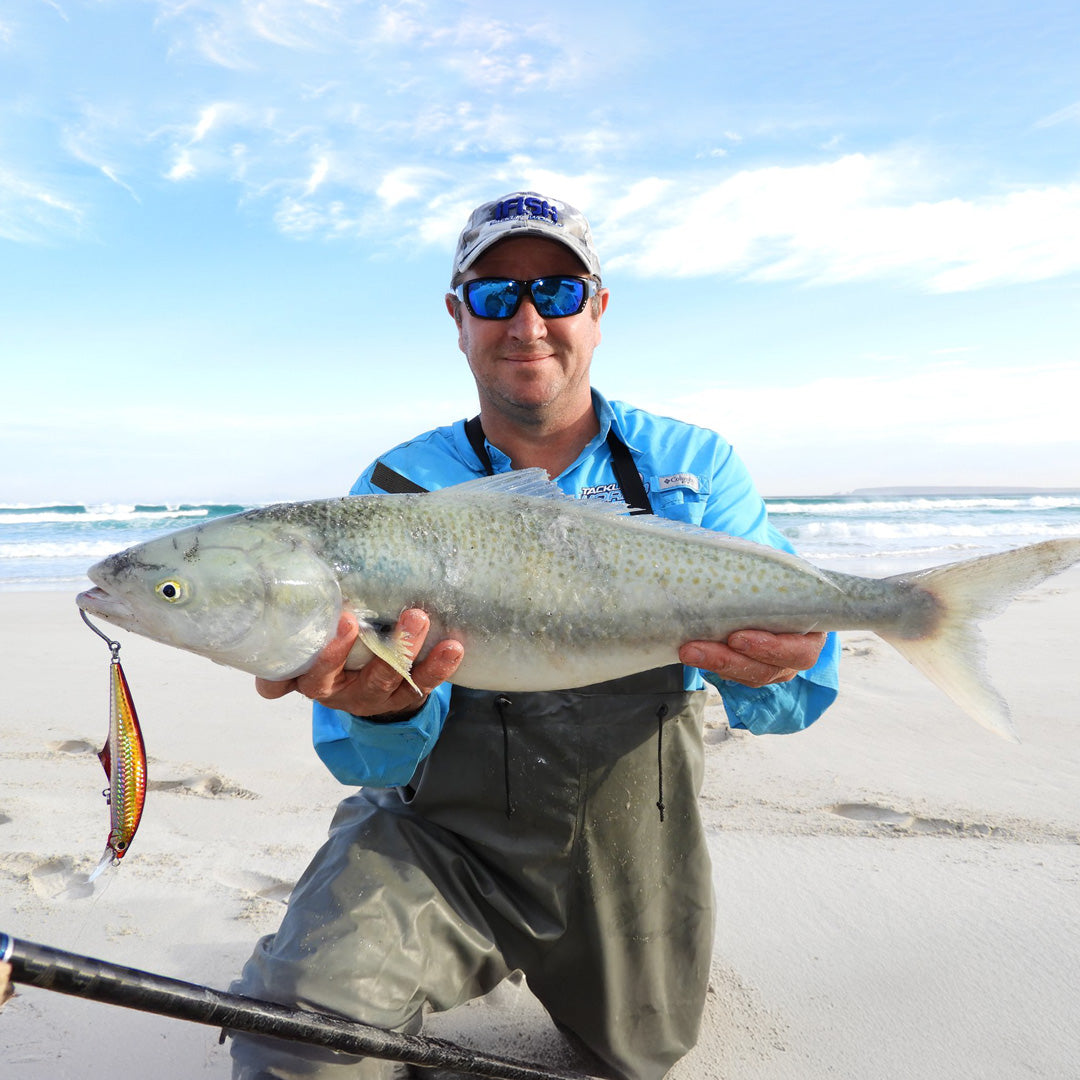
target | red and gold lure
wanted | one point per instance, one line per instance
(124, 759)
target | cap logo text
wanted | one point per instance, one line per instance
(521, 206)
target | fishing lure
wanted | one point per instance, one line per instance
(124, 759)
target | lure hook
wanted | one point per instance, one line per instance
(114, 646)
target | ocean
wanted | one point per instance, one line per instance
(873, 533)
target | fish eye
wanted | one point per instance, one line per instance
(171, 590)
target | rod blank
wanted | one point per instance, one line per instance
(83, 976)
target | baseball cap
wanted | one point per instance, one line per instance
(525, 213)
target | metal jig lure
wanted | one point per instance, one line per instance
(124, 759)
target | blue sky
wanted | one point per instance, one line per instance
(846, 235)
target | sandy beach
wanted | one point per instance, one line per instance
(898, 890)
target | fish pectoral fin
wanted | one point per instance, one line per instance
(392, 647)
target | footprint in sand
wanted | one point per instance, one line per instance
(57, 879)
(74, 746)
(881, 815)
(859, 647)
(904, 821)
(263, 886)
(4, 819)
(205, 785)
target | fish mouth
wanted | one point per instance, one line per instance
(104, 605)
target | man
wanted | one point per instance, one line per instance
(556, 833)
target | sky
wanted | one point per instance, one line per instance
(845, 235)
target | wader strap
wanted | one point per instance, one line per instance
(626, 474)
(393, 483)
(475, 435)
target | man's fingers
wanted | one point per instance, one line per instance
(438, 665)
(321, 679)
(271, 689)
(414, 624)
(755, 657)
(796, 651)
(377, 687)
(336, 651)
(322, 673)
(724, 661)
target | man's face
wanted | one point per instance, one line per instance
(528, 368)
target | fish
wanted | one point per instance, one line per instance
(543, 590)
(123, 758)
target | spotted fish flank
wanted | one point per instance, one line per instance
(544, 591)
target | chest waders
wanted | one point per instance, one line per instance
(554, 832)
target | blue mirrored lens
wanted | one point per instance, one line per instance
(499, 298)
(557, 297)
(493, 298)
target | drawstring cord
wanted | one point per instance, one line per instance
(660, 714)
(502, 703)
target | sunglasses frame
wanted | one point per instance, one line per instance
(525, 287)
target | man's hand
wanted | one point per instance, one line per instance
(755, 657)
(376, 689)
(6, 989)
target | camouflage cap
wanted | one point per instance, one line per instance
(525, 213)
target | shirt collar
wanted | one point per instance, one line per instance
(607, 416)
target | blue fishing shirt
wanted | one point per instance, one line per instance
(691, 474)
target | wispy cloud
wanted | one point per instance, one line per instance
(338, 117)
(30, 212)
(849, 219)
(232, 33)
(91, 138)
(1070, 114)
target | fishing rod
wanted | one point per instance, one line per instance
(98, 980)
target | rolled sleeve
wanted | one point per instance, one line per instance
(370, 754)
(783, 708)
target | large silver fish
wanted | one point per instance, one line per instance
(544, 591)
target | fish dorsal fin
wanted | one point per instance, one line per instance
(535, 483)
(531, 482)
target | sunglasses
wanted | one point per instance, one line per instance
(554, 297)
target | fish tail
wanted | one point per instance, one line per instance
(952, 654)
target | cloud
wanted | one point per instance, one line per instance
(320, 169)
(418, 41)
(233, 34)
(1070, 114)
(30, 212)
(853, 218)
(949, 423)
(91, 138)
(407, 184)
(949, 403)
(341, 118)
